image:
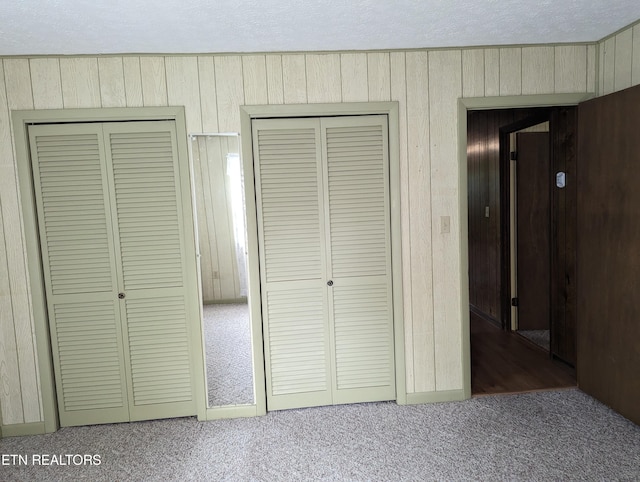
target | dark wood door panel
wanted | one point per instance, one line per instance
(533, 230)
(608, 255)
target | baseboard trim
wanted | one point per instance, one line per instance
(230, 411)
(435, 397)
(485, 316)
(225, 301)
(20, 429)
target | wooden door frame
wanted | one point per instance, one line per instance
(486, 103)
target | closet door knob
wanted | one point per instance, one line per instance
(330, 283)
(121, 296)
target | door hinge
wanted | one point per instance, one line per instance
(514, 302)
(513, 155)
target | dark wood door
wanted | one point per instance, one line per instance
(608, 254)
(533, 191)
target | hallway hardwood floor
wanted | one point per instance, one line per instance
(504, 362)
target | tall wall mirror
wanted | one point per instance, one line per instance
(220, 212)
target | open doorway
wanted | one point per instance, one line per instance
(222, 241)
(532, 232)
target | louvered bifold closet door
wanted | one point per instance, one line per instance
(77, 248)
(288, 178)
(359, 257)
(151, 256)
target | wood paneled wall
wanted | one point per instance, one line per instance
(426, 83)
(483, 181)
(217, 245)
(619, 65)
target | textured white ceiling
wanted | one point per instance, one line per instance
(194, 26)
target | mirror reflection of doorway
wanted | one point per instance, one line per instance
(220, 213)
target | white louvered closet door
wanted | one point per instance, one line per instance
(324, 236)
(358, 234)
(145, 185)
(81, 282)
(288, 177)
(113, 259)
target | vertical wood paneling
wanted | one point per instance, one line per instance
(45, 83)
(473, 190)
(216, 239)
(275, 87)
(80, 82)
(491, 289)
(183, 88)
(421, 288)
(210, 249)
(353, 73)
(608, 62)
(323, 78)
(491, 72)
(204, 249)
(399, 93)
(132, 81)
(229, 91)
(154, 81)
(111, 74)
(254, 72)
(601, 68)
(635, 61)
(473, 73)
(10, 389)
(624, 59)
(445, 87)
(592, 65)
(19, 96)
(208, 98)
(294, 79)
(17, 76)
(379, 76)
(570, 68)
(510, 71)
(537, 69)
(619, 61)
(213, 88)
(483, 266)
(219, 209)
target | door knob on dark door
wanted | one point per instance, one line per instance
(330, 283)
